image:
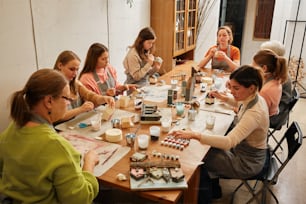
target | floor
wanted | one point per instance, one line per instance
(289, 188)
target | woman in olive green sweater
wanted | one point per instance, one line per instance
(36, 164)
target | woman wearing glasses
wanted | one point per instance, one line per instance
(36, 164)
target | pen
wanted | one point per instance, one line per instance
(110, 156)
(215, 111)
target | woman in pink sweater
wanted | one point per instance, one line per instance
(275, 74)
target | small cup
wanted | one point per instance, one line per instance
(96, 122)
(217, 83)
(154, 133)
(180, 108)
(116, 123)
(130, 139)
(165, 125)
(173, 83)
(192, 114)
(137, 104)
(210, 122)
(124, 101)
(143, 141)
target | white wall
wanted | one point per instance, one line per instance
(60, 25)
(249, 46)
(284, 10)
(287, 10)
(124, 26)
(208, 33)
(16, 50)
(70, 24)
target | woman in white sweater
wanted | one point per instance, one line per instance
(242, 152)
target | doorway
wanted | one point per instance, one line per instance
(232, 13)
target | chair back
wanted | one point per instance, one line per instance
(283, 117)
(294, 100)
(293, 137)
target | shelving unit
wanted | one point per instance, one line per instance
(174, 22)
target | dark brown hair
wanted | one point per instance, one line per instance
(247, 75)
(93, 53)
(146, 33)
(41, 83)
(65, 57)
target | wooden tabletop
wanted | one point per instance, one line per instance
(190, 158)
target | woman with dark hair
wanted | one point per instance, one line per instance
(98, 75)
(82, 99)
(224, 55)
(140, 63)
(242, 153)
(37, 165)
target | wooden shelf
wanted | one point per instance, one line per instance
(174, 22)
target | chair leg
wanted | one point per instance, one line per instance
(275, 140)
(234, 192)
(263, 191)
(273, 195)
(250, 189)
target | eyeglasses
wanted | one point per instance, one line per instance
(67, 98)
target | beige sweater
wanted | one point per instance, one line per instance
(136, 67)
(252, 126)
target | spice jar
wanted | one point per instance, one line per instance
(209, 99)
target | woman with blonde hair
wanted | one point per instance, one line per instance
(224, 55)
(82, 99)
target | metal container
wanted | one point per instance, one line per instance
(116, 123)
(130, 139)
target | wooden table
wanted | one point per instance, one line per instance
(190, 158)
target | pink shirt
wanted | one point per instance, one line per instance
(90, 83)
(272, 92)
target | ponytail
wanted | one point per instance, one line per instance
(20, 111)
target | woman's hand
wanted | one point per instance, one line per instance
(109, 100)
(219, 55)
(150, 58)
(111, 92)
(212, 52)
(186, 134)
(91, 159)
(156, 65)
(87, 106)
(132, 87)
(219, 95)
